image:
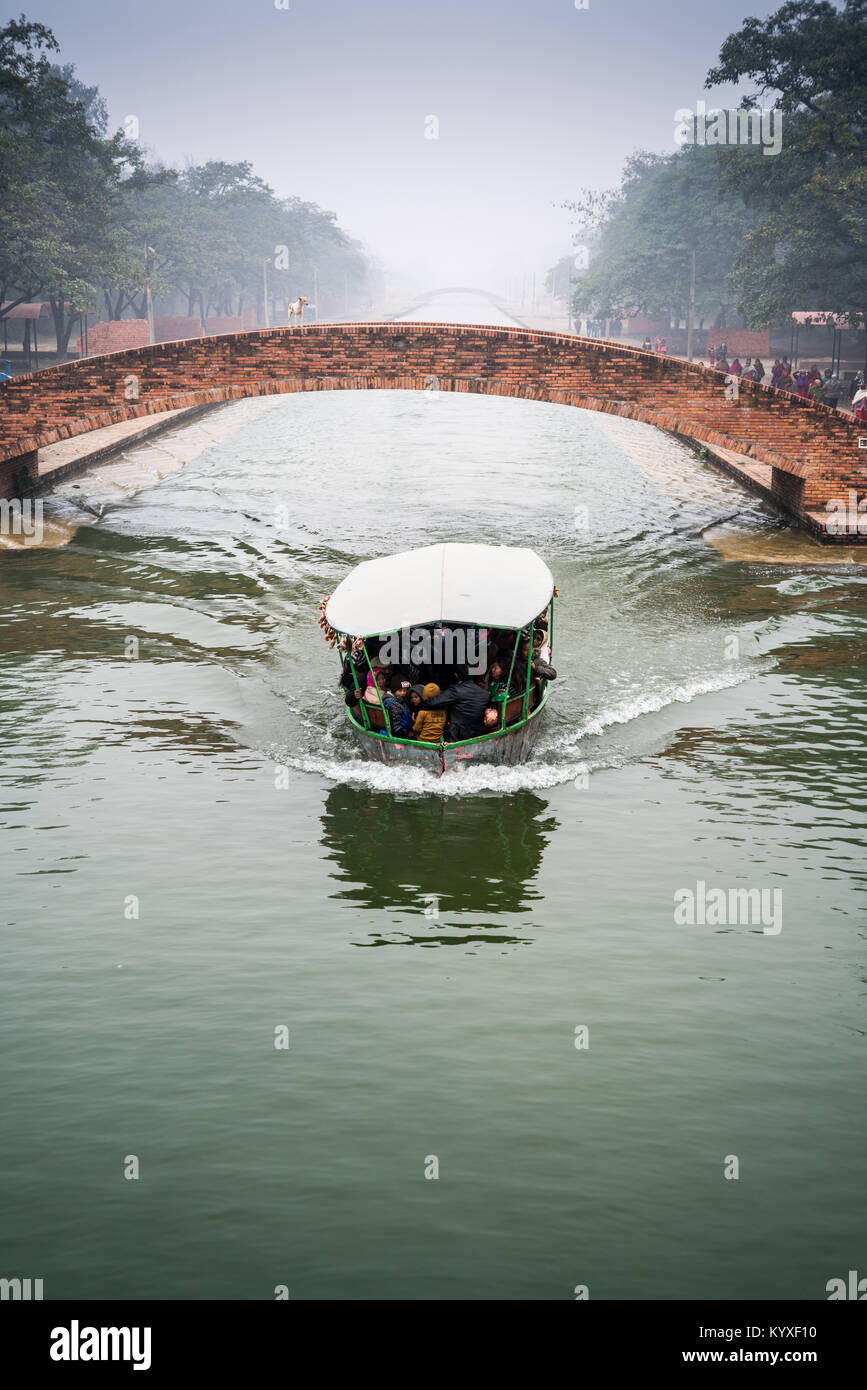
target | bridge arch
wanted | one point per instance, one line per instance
(812, 450)
(430, 296)
(457, 289)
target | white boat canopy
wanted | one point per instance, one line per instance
(486, 585)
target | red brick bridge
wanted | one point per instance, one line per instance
(813, 451)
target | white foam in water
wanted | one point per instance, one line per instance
(538, 774)
(814, 583)
(463, 781)
(654, 701)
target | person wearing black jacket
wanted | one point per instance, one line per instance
(467, 700)
(352, 694)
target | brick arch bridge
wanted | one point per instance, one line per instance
(812, 450)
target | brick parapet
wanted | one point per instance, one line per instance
(812, 443)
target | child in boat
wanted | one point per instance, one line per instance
(496, 676)
(376, 688)
(497, 693)
(496, 681)
(399, 715)
(429, 725)
(376, 673)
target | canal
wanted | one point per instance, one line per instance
(284, 980)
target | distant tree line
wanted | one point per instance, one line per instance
(86, 220)
(711, 232)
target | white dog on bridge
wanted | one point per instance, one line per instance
(296, 310)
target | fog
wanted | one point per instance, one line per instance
(445, 137)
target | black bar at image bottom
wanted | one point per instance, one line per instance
(161, 1339)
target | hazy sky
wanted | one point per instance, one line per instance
(329, 98)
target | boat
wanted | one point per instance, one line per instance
(443, 602)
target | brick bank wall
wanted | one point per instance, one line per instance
(7, 479)
(809, 442)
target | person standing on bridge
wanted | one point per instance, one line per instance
(830, 389)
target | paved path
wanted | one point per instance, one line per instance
(74, 454)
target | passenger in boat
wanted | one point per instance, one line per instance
(467, 700)
(376, 688)
(496, 679)
(429, 724)
(440, 670)
(399, 716)
(541, 667)
(353, 686)
(538, 667)
(377, 671)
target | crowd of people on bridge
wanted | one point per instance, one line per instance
(449, 703)
(659, 345)
(751, 369)
(825, 388)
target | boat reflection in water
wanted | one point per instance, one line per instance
(462, 869)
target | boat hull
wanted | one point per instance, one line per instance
(514, 745)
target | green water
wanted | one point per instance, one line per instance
(431, 945)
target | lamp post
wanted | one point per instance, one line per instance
(266, 323)
(691, 314)
(149, 251)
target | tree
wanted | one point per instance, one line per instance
(213, 227)
(31, 246)
(61, 173)
(83, 208)
(809, 244)
(664, 243)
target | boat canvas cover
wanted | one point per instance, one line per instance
(485, 585)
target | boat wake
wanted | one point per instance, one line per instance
(564, 754)
(799, 584)
(652, 702)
